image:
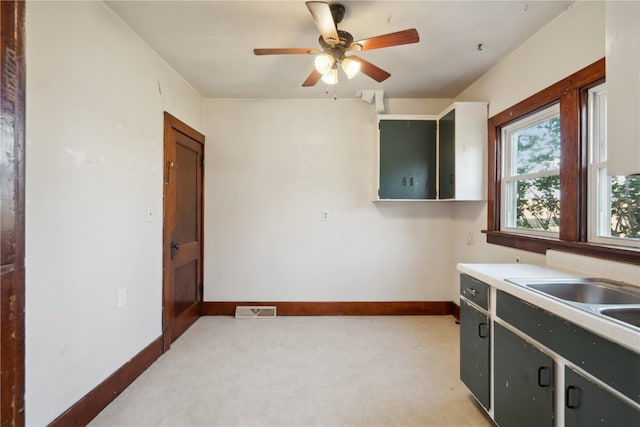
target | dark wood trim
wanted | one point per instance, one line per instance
(12, 204)
(550, 95)
(97, 399)
(542, 244)
(340, 308)
(571, 93)
(456, 311)
(182, 127)
(570, 166)
(495, 174)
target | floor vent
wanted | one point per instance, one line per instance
(255, 312)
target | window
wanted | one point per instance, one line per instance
(614, 206)
(548, 187)
(531, 179)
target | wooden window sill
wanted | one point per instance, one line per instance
(541, 244)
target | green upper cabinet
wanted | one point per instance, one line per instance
(434, 157)
(407, 159)
(447, 169)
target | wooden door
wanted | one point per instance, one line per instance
(12, 191)
(182, 237)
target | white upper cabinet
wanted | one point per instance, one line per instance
(623, 87)
(462, 152)
(433, 157)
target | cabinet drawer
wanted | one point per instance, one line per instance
(474, 291)
(613, 364)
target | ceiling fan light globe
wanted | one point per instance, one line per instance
(331, 77)
(323, 63)
(350, 67)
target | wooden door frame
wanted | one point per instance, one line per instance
(12, 224)
(171, 124)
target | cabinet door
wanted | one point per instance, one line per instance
(523, 382)
(447, 146)
(407, 159)
(474, 351)
(588, 404)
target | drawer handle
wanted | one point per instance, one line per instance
(572, 397)
(472, 291)
(544, 380)
(483, 330)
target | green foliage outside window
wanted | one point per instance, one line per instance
(625, 207)
(538, 199)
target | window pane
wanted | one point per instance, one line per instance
(538, 204)
(615, 215)
(537, 148)
(624, 207)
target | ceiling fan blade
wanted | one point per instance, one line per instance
(322, 17)
(286, 51)
(312, 79)
(376, 73)
(387, 40)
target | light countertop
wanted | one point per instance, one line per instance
(494, 275)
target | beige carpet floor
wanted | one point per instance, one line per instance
(304, 371)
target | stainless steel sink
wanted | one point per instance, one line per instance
(597, 292)
(616, 301)
(630, 315)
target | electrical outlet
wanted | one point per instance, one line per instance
(325, 215)
(122, 297)
(518, 259)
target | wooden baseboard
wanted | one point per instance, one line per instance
(325, 308)
(97, 399)
(456, 311)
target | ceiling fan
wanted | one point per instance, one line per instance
(336, 43)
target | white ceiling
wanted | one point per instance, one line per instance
(210, 43)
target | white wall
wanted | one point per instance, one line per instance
(273, 167)
(94, 156)
(572, 41)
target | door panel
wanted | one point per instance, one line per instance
(185, 292)
(182, 282)
(523, 381)
(186, 170)
(587, 404)
(474, 352)
(407, 159)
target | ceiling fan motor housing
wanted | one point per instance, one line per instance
(346, 39)
(337, 11)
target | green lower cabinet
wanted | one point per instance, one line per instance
(588, 404)
(523, 382)
(474, 352)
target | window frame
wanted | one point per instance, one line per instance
(510, 176)
(599, 181)
(572, 94)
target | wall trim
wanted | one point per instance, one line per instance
(337, 308)
(87, 408)
(456, 311)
